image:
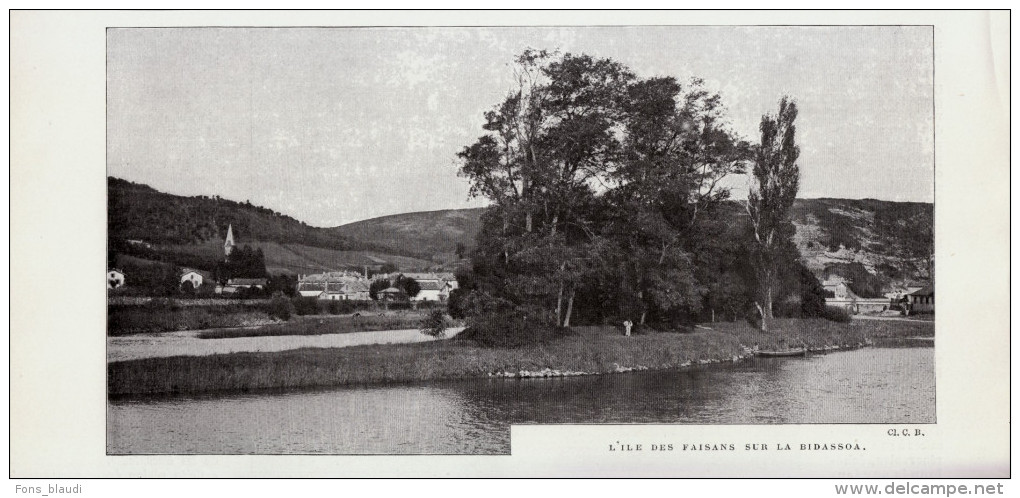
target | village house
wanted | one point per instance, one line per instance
(311, 289)
(196, 277)
(236, 284)
(114, 278)
(434, 286)
(336, 286)
(392, 294)
(923, 300)
(844, 297)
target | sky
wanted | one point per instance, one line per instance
(336, 125)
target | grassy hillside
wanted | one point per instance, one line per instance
(189, 231)
(302, 259)
(430, 234)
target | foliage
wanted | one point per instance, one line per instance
(859, 279)
(410, 286)
(242, 262)
(284, 284)
(433, 324)
(321, 326)
(455, 303)
(509, 329)
(776, 180)
(603, 188)
(280, 306)
(137, 211)
(167, 315)
(305, 305)
(836, 314)
(376, 286)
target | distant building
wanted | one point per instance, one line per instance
(923, 300)
(114, 278)
(844, 297)
(898, 291)
(435, 286)
(235, 284)
(228, 242)
(311, 289)
(335, 286)
(392, 294)
(196, 277)
(431, 290)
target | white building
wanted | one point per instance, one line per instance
(114, 278)
(196, 277)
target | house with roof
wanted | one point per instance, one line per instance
(336, 286)
(844, 297)
(114, 278)
(392, 294)
(196, 277)
(311, 289)
(431, 290)
(923, 300)
(434, 286)
(236, 284)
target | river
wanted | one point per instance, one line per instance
(889, 385)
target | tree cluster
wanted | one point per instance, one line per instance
(608, 200)
(242, 262)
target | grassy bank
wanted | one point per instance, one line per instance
(318, 325)
(592, 351)
(588, 350)
(160, 317)
(793, 333)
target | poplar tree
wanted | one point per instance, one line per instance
(774, 183)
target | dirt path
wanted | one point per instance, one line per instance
(187, 344)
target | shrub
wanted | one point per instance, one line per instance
(280, 307)
(305, 305)
(456, 305)
(836, 314)
(162, 304)
(434, 324)
(509, 329)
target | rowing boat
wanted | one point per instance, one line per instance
(786, 352)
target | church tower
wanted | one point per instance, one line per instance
(228, 244)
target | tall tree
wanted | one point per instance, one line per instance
(675, 153)
(773, 189)
(549, 143)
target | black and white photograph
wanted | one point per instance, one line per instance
(403, 240)
(429, 240)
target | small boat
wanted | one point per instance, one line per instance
(785, 352)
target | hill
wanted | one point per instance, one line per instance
(890, 241)
(433, 235)
(861, 239)
(875, 243)
(189, 231)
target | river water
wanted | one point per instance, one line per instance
(888, 385)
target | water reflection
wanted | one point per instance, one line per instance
(872, 385)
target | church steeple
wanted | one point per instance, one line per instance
(228, 244)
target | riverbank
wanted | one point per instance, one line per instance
(585, 351)
(247, 319)
(322, 325)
